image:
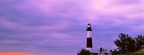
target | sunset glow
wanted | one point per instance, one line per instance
(13, 53)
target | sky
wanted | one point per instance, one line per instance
(58, 27)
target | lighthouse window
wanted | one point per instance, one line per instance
(88, 25)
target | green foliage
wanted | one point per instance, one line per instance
(127, 44)
(84, 52)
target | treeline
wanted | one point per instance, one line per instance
(127, 43)
(84, 52)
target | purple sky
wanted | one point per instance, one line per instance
(58, 27)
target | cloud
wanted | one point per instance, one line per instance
(49, 26)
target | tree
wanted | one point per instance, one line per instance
(115, 52)
(111, 51)
(139, 42)
(101, 49)
(125, 43)
(84, 52)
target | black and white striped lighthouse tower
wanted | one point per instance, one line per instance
(89, 38)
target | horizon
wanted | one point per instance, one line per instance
(58, 27)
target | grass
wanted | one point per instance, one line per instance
(135, 53)
(141, 52)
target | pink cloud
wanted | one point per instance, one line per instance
(12, 25)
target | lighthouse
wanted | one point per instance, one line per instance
(89, 38)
